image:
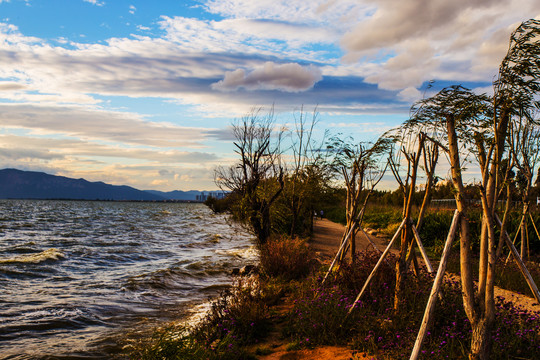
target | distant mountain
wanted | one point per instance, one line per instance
(18, 184)
(190, 195)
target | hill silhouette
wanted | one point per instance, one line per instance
(18, 184)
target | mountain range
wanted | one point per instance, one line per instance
(18, 184)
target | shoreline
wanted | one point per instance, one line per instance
(276, 346)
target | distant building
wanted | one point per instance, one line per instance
(211, 194)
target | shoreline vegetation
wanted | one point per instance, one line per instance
(389, 305)
(284, 312)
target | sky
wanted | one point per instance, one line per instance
(143, 93)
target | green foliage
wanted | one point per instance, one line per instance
(384, 218)
(175, 343)
(239, 313)
(435, 228)
(219, 205)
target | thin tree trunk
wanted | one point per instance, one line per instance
(465, 248)
(430, 307)
(407, 234)
(524, 235)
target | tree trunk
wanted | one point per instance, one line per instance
(524, 238)
(481, 340)
(465, 242)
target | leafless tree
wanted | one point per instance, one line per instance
(257, 179)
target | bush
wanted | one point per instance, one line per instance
(286, 258)
(240, 314)
(219, 205)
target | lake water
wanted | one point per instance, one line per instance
(76, 276)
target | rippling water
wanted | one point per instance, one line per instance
(74, 275)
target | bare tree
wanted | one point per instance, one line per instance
(304, 174)
(410, 145)
(257, 180)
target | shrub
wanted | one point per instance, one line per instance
(287, 258)
(237, 318)
(220, 205)
(240, 313)
(176, 342)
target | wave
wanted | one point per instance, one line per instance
(49, 254)
(242, 253)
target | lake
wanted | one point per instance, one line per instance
(79, 277)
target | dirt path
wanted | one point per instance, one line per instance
(327, 237)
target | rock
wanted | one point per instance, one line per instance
(372, 232)
(245, 270)
(248, 269)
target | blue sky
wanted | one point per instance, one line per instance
(143, 92)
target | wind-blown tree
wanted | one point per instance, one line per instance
(404, 161)
(256, 181)
(525, 146)
(460, 112)
(474, 123)
(361, 166)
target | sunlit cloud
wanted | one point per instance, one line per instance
(97, 124)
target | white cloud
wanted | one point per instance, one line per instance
(410, 94)
(95, 2)
(271, 76)
(11, 86)
(361, 127)
(249, 36)
(434, 39)
(328, 12)
(132, 9)
(98, 124)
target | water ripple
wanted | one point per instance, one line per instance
(75, 274)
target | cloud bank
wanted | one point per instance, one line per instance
(271, 76)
